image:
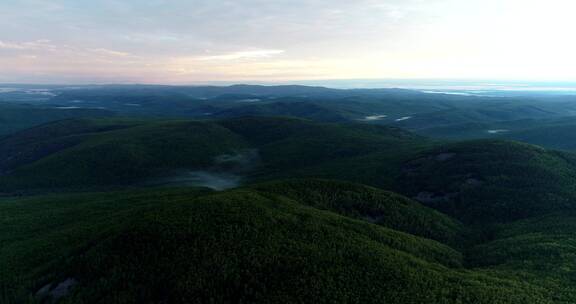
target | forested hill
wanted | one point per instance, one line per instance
(297, 241)
(485, 180)
(268, 209)
(538, 118)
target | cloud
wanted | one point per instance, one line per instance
(184, 40)
(256, 54)
(30, 45)
(45, 47)
(107, 52)
(200, 38)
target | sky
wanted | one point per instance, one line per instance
(189, 41)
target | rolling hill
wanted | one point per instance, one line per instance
(491, 180)
(457, 178)
(250, 245)
(16, 117)
(118, 151)
(483, 221)
(554, 135)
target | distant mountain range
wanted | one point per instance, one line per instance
(438, 115)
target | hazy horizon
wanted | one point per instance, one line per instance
(416, 84)
(186, 42)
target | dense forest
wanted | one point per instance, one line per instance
(285, 194)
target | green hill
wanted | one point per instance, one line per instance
(75, 153)
(486, 181)
(492, 225)
(16, 117)
(561, 136)
(300, 109)
(246, 245)
(290, 144)
(370, 204)
(482, 181)
(86, 153)
(337, 205)
(491, 180)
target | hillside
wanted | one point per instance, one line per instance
(14, 117)
(299, 109)
(495, 180)
(555, 136)
(491, 180)
(111, 152)
(76, 153)
(484, 221)
(370, 204)
(488, 181)
(178, 245)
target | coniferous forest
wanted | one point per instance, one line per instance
(285, 200)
